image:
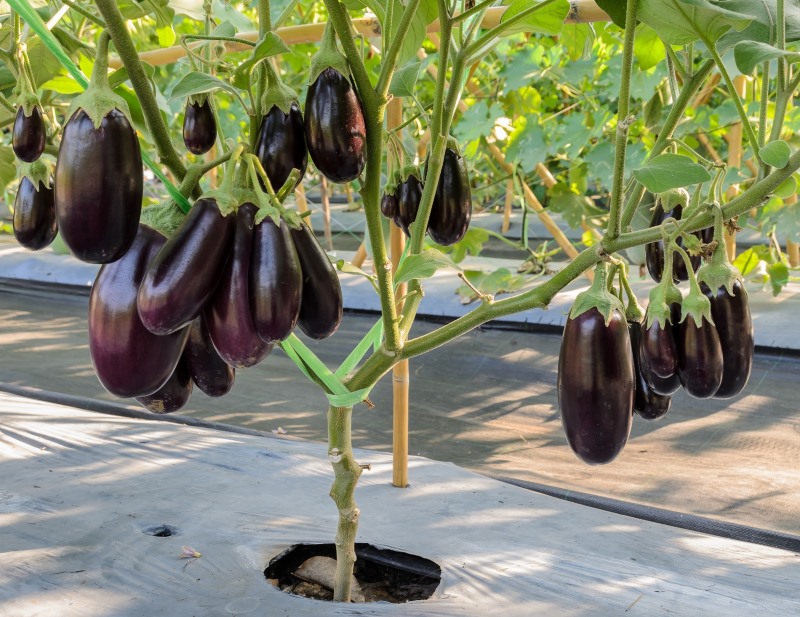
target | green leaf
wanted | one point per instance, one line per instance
(370, 340)
(470, 244)
(63, 84)
(423, 265)
(749, 54)
(417, 30)
(787, 188)
(616, 10)
(748, 260)
(547, 20)
(762, 28)
(778, 273)
(679, 22)
(7, 169)
(270, 45)
(492, 283)
(404, 80)
(526, 144)
(648, 48)
(776, 153)
(196, 82)
(577, 39)
(670, 171)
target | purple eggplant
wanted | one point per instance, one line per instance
(98, 184)
(700, 363)
(655, 251)
(129, 359)
(452, 206)
(389, 206)
(209, 371)
(321, 306)
(596, 385)
(174, 394)
(281, 145)
(276, 281)
(734, 324)
(228, 316)
(186, 271)
(35, 224)
(409, 194)
(336, 133)
(199, 127)
(647, 403)
(28, 135)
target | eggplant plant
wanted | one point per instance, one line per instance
(212, 280)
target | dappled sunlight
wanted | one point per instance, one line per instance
(721, 550)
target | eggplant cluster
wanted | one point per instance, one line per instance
(214, 298)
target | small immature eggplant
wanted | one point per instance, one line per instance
(734, 326)
(28, 135)
(321, 305)
(98, 184)
(389, 206)
(281, 145)
(335, 127)
(199, 127)
(35, 224)
(276, 281)
(647, 403)
(209, 372)
(452, 206)
(228, 316)
(409, 194)
(186, 271)
(174, 394)
(129, 359)
(596, 385)
(700, 363)
(654, 251)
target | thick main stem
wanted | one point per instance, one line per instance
(346, 472)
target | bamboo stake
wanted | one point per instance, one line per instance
(507, 206)
(326, 213)
(544, 173)
(301, 201)
(400, 372)
(734, 161)
(360, 256)
(792, 248)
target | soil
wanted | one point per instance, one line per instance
(385, 575)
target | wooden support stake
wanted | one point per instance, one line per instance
(793, 253)
(734, 162)
(507, 206)
(326, 213)
(360, 256)
(302, 202)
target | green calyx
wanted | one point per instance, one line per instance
(452, 144)
(200, 99)
(276, 94)
(597, 296)
(673, 197)
(407, 171)
(39, 173)
(164, 217)
(662, 297)
(696, 305)
(719, 271)
(328, 56)
(99, 99)
(28, 101)
(233, 191)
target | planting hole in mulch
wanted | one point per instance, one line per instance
(382, 574)
(161, 531)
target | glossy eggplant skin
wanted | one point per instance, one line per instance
(276, 281)
(28, 135)
(389, 206)
(228, 316)
(700, 363)
(129, 359)
(186, 271)
(452, 205)
(655, 251)
(199, 128)
(647, 403)
(409, 194)
(98, 183)
(281, 145)
(734, 324)
(34, 223)
(174, 394)
(596, 385)
(209, 371)
(336, 133)
(321, 306)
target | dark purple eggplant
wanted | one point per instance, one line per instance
(281, 145)
(321, 306)
(186, 271)
(28, 135)
(734, 325)
(655, 251)
(98, 184)
(35, 224)
(596, 385)
(174, 394)
(276, 281)
(389, 206)
(129, 359)
(209, 371)
(659, 349)
(647, 403)
(336, 134)
(700, 363)
(199, 127)
(409, 194)
(228, 316)
(452, 206)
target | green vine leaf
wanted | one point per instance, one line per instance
(423, 265)
(670, 171)
(548, 20)
(679, 22)
(578, 40)
(196, 82)
(648, 48)
(775, 154)
(404, 80)
(271, 45)
(749, 54)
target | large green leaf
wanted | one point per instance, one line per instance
(776, 153)
(196, 82)
(404, 80)
(648, 48)
(423, 265)
(577, 39)
(670, 171)
(270, 45)
(679, 22)
(616, 10)
(749, 54)
(547, 20)
(762, 28)
(7, 170)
